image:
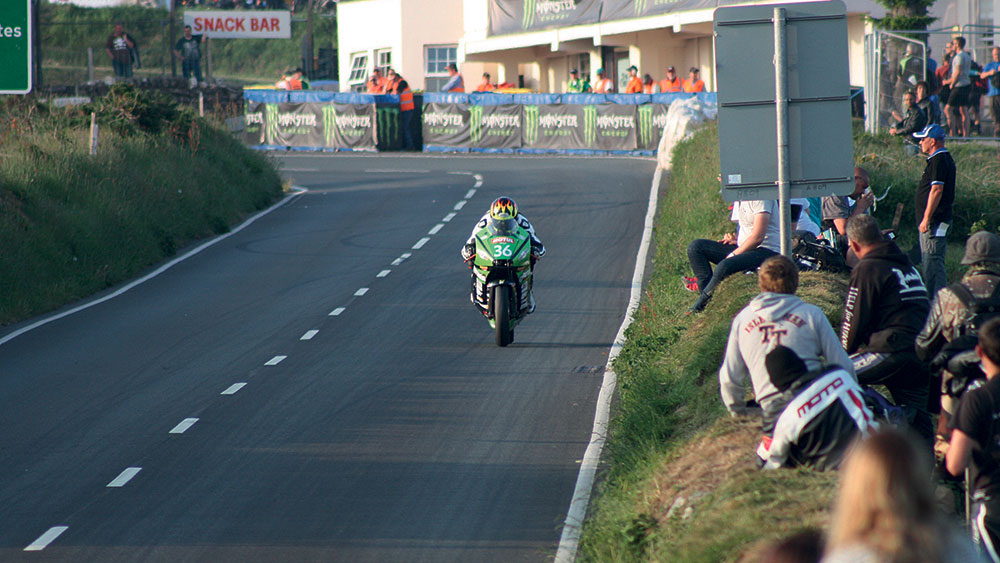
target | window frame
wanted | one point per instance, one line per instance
(379, 64)
(359, 72)
(450, 57)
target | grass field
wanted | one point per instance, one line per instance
(678, 482)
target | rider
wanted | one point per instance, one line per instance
(504, 208)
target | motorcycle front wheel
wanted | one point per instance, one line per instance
(501, 315)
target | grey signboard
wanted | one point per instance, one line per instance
(820, 147)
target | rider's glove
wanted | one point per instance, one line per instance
(469, 251)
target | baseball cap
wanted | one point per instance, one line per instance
(633, 67)
(670, 69)
(599, 71)
(574, 71)
(694, 69)
(934, 131)
(983, 246)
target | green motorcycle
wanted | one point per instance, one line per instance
(501, 282)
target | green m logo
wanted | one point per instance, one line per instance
(590, 125)
(640, 7)
(389, 133)
(645, 125)
(529, 13)
(530, 124)
(269, 135)
(329, 125)
(476, 123)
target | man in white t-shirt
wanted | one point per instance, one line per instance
(758, 238)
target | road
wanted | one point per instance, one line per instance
(317, 386)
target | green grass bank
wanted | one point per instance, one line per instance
(72, 224)
(678, 481)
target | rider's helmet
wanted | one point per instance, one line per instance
(503, 208)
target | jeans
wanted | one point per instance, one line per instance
(702, 253)
(123, 70)
(907, 380)
(192, 66)
(932, 251)
(995, 112)
(406, 127)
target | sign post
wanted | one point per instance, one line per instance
(16, 47)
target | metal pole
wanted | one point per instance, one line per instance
(90, 64)
(781, 108)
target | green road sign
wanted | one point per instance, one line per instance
(15, 46)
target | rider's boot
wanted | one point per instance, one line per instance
(531, 302)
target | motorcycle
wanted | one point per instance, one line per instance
(502, 276)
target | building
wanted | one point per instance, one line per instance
(534, 43)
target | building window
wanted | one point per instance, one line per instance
(383, 60)
(436, 60)
(359, 70)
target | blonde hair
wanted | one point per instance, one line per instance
(886, 501)
(778, 274)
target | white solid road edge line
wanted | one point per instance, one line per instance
(296, 192)
(570, 538)
(125, 477)
(45, 539)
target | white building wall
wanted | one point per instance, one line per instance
(367, 25)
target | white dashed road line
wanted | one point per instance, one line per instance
(460, 205)
(184, 425)
(125, 477)
(399, 260)
(434, 230)
(469, 194)
(232, 389)
(420, 243)
(275, 360)
(383, 273)
(45, 539)
(448, 217)
(309, 335)
(361, 292)
(336, 312)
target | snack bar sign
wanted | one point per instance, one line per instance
(275, 24)
(15, 46)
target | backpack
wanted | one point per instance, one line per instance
(958, 356)
(818, 256)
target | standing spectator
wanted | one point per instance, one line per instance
(692, 83)
(991, 72)
(911, 70)
(672, 83)
(291, 80)
(933, 205)
(775, 317)
(930, 106)
(886, 510)
(376, 84)
(576, 84)
(118, 47)
(406, 113)
(961, 89)
(634, 85)
(977, 436)
(649, 86)
(603, 84)
(951, 322)
(485, 85)
(188, 50)
(757, 238)
(931, 69)
(885, 310)
(392, 80)
(455, 83)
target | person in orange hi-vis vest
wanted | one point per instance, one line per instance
(603, 84)
(634, 85)
(406, 113)
(455, 83)
(649, 86)
(672, 83)
(485, 85)
(692, 83)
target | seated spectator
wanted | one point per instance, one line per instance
(772, 318)
(634, 85)
(672, 82)
(485, 85)
(649, 86)
(837, 209)
(801, 221)
(975, 437)
(912, 121)
(927, 103)
(816, 416)
(693, 83)
(757, 238)
(576, 84)
(886, 510)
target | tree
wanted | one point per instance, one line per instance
(905, 15)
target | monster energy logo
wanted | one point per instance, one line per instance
(330, 125)
(529, 13)
(388, 126)
(640, 7)
(297, 120)
(530, 124)
(645, 125)
(269, 135)
(476, 123)
(442, 119)
(590, 125)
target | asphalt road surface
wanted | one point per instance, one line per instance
(317, 386)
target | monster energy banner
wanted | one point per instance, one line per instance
(554, 127)
(516, 16)
(294, 125)
(446, 125)
(465, 126)
(350, 126)
(609, 127)
(390, 133)
(253, 127)
(650, 119)
(624, 9)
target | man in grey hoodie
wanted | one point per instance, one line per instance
(775, 317)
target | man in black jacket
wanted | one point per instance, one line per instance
(886, 308)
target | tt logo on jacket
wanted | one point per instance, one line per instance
(772, 330)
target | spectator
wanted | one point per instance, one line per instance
(801, 221)
(188, 50)
(837, 210)
(886, 510)
(757, 239)
(455, 82)
(603, 84)
(649, 86)
(692, 83)
(951, 321)
(961, 89)
(577, 85)
(485, 85)
(885, 309)
(376, 83)
(672, 82)
(772, 318)
(992, 74)
(932, 66)
(817, 415)
(805, 546)
(933, 204)
(392, 80)
(940, 77)
(928, 104)
(912, 121)
(406, 113)
(634, 85)
(119, 47)
(911, 69)
(976, 435)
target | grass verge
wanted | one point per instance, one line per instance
(678, 482)
(72, 224)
